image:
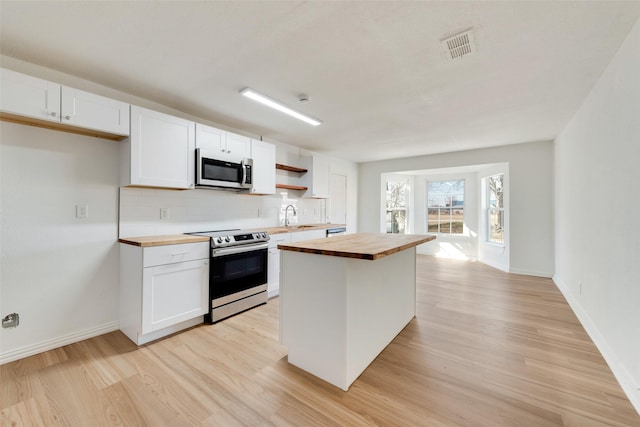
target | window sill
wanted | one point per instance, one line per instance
(447, 235)
(497, 245)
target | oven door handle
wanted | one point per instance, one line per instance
(238, 249)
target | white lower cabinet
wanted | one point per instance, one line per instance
(273, 268)
(273, 275)
(163, 289)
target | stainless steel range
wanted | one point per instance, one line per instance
(237, 272)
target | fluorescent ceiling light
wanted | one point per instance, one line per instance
(270, 102)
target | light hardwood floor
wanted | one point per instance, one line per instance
(485, 349)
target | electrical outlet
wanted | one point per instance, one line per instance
(11, 320)
(82, 211)
(164, 213)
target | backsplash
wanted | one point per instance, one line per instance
(151, 212)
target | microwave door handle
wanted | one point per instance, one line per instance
(244, 172)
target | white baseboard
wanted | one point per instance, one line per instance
(272, 293)
(626, 381)
(30, 350)
(531, 272)
(500, 267)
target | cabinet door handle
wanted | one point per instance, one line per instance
(67, 117)
(53, 114)
(180, 253)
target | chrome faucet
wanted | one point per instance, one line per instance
(286, 212)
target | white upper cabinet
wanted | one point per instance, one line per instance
(264, 167)
(209, 139)
(237, 146)
(221, 144)
(80, 108)
(160, 151)
(318, 177)
(27, 98)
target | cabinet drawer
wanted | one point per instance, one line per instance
(170, 254)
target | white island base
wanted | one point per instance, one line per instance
(338, 313)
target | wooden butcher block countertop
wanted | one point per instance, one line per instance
(172, 239)
(369, 246)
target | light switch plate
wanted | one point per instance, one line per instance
(164, 213)
(82, 211)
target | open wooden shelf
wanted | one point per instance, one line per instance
(30, 121)
(291, 187)
(290, 168)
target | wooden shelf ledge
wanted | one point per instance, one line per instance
(290, 168)
(291, 187)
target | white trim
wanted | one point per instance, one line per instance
(171, 329)
(53, 343)
(531, 272)
(500, 267)
(497, 245)
(623, 376)
(272, 293)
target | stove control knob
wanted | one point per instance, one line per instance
(219, 240)
(227, 239)
(264, 235)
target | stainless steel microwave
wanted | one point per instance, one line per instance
(222, 173)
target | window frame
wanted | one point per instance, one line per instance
(488, 209)
(407, 203)
(451, 208)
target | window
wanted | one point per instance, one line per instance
(396, 206)
(445, 206)
(495, 209)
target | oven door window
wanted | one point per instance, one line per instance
(218, 170)
(237, 272)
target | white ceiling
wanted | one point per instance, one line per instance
(375, 71)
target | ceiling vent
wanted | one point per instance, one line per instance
(460, 45)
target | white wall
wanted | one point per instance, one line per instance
(597, 211)
(59, 273)
(531, 193)
(202, 210)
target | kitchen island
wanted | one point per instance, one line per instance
(344, 299)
